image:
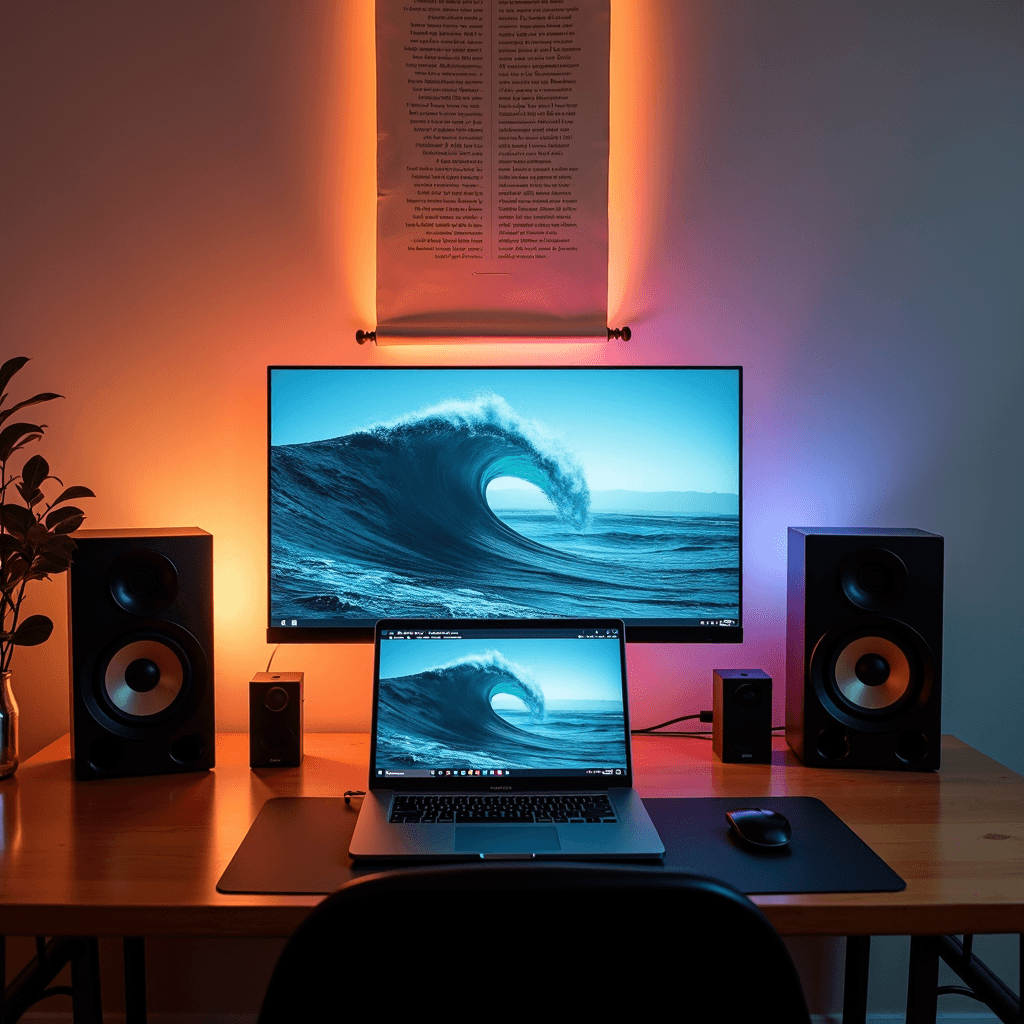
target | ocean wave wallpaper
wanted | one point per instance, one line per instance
(503, 493)
(554, 704)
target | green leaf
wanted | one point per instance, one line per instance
(37, 576)
(69, 525)
(23, 442)
(34, 472)
(72, 492)
(30, 495)
(50, 561)
(44, 573)
(36, 629)
(16, 568)
(60, 514)
(58, 544)
(13, 554)
(16, 520)
(36, 535)
(9, 369)
(8, 544)
(46, 396)
(11, 435)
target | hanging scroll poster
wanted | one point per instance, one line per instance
(492, 168)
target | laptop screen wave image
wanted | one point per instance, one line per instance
(501, 738)
(486, 710)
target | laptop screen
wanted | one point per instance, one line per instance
(487, 705)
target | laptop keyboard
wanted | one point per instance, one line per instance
(522, 808)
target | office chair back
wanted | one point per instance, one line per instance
(501, 941)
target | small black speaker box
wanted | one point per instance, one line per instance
(140, 631)
(741, 724)
(275, 720)
(864, 648)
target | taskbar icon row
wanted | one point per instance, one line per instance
(503, 773)
(423, 773)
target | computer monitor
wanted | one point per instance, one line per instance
(505, 492)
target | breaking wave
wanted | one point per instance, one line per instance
(394, 519)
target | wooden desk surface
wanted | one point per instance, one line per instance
(143, 856)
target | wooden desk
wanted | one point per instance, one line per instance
(143, 856)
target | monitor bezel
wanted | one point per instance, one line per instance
(642, 634)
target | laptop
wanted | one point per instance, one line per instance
(498, 739)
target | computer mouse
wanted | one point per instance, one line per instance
(760, 827)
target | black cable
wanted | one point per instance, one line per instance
(704, 716)
(272, 653)
(685, 735)
(671, 721)
(349, 793)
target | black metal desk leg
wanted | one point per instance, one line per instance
(86, 1001)
(134, 980)
(923, 982)
(855, 984)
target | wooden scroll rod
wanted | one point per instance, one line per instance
(362, 337)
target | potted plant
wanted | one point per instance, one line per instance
(34, 545)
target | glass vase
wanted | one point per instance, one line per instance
(8, 727)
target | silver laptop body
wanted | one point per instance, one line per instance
(498, 739)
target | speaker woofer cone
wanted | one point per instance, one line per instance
(145, 677)
(855, 683)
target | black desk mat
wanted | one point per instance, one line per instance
(299, 846)
(824, 855)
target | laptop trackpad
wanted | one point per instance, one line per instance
(506, 839)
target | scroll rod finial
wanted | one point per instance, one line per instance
(362, 337)
(619, 332)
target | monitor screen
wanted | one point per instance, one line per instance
(507, 493)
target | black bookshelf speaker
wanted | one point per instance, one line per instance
(140, 605)
(864, 648)
(275, 720)
(741, 723)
